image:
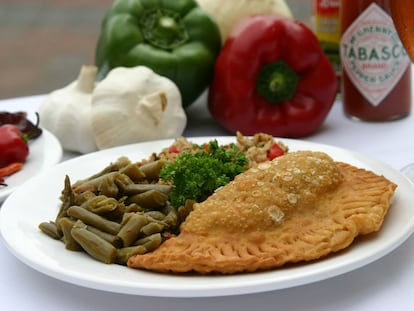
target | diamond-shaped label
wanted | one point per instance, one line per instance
(373, 55)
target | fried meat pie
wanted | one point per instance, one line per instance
(299, 207)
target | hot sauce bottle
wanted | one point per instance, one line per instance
(376, 70)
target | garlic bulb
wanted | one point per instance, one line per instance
(66, 113)
(228, 13)
(136, 104)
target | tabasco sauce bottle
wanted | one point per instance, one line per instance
(376, 70)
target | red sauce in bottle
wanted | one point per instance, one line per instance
(402, 14)
(376, 74)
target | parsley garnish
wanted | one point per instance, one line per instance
(196, 176)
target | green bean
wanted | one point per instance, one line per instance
(126, 217)
(112, 167)
(171, 217)
(152, 169)
(66, 225)
(184, 210)
(105, 206)
(123, 254)
(131, 228)
(152, 227)
(133, 171)
(92, 185)
(133, 208)
(113, 239)
(81, 198)
(95, 246)
(157, 215)
(79, 224)
(51, 230)
(94, 220)
(150, 242)
(139, 188)
(142, 246)
(107, 184)
(100, 204)
(122, 180)
(151, 199)
(67, 200)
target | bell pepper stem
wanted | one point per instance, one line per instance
(167, 26)
(277, 82)
(163, 28)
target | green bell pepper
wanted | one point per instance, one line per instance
(175, 38)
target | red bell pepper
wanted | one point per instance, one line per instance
(13, 145)
(272, 76)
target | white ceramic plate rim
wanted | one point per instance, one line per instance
(44, 152)
(37, 201)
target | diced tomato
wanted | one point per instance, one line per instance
(174, 149)
(274, 152)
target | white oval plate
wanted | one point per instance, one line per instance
(44, 152)
(38, 200)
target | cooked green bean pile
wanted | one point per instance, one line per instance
(120, 212)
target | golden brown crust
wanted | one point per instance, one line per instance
(300, 207)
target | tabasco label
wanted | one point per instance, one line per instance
(372, 54)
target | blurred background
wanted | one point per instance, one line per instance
(44, 43)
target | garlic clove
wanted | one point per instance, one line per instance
(136, 104)
(66, 113)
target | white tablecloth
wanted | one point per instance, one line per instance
(386, 284)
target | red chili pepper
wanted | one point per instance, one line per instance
(13, 146)
(274, 152)
(20, 120)
(272, 76)
(10, 169)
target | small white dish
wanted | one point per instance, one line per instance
(44, 152)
